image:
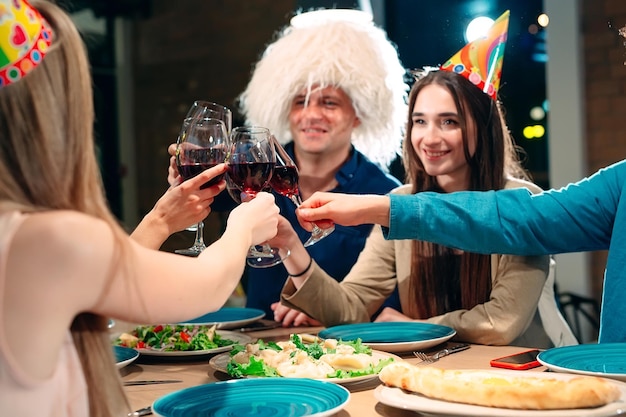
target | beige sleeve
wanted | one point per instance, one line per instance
(358, 296)
(516, 288)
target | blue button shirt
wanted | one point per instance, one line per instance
(337, 252)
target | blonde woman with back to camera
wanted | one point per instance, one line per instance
(66, 265)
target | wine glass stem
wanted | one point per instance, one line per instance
(297, 200)
(199, 241)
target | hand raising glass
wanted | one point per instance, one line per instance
(250, 167)
(202, 144)
(203, 109)
(285, 182)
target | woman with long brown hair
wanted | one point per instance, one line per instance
(65, 263)
(456, 140)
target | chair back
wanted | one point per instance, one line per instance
(554, 323)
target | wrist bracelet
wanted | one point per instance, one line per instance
(305, 269)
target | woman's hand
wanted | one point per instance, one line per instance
(391, 314)
(259, 216)
(286, 237)
(344, 209)
(181, 206)
(292, 318)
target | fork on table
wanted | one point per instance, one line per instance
(428, 359)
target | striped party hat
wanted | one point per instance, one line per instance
(480, 61)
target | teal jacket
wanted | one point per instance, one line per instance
(585, 216)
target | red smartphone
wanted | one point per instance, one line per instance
(518, 361)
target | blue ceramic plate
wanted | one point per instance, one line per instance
(284, 397)
(228, 317)
(604, 359)
(399, 336)
(124, 356)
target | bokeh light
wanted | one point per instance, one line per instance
(537, 113)
(478, 28)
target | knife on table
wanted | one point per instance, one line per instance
(151, 382)
(451, 349)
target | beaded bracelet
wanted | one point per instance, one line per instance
(303, 272)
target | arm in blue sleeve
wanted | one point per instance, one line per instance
(576, 218)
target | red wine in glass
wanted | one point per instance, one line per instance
(204, 159)
(202, 143)
(285, 181)
(251, 177)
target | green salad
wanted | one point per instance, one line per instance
(173, 337)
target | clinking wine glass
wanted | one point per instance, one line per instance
(250, 167)
(203, 144)
(201, 109)
(285, 182)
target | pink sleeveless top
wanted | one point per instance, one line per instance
(64, 394)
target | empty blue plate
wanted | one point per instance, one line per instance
(228, 317)
(397, 336)
(604, 359)
(284, 397)
(124, 355)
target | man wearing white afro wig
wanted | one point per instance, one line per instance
(332, 91)
(354, 56)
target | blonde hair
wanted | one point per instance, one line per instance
(47, 162)
(355, 57)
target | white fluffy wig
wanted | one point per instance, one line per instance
(355, 57)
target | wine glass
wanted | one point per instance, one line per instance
(250, 167)
(285, 182)
(201, 109)
(203, 144)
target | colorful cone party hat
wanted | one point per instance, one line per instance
(480, 61)
(24, 39)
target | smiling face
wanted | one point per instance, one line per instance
(324, 123)
(437, 138)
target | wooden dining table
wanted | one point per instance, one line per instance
(192, 371)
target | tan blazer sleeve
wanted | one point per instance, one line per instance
(358, 296)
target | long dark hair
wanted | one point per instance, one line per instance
(442, 279)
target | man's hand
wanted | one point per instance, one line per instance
(173, 176)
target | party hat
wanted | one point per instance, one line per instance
(24, 39)
(480, 61)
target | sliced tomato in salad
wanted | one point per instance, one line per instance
(173, 337)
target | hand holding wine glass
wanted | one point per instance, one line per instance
(250, 167)
(203, 144)
(285, 182)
